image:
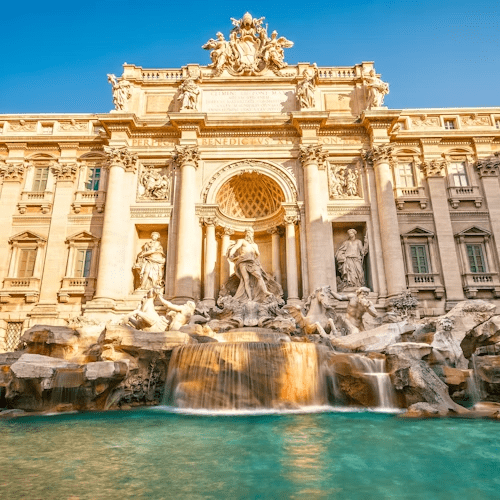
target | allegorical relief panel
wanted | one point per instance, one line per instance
(249, 101)
(343, 181)
(155, 183)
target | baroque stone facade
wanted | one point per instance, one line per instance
(197, 155)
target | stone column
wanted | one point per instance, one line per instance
(291, 260)
(488, 172)
(225, 267)
(319, 240)
(64, 171)
(187, 158)
(275, 255)
(434, 172)
(210, 261)
(381, 156)
(12, 171)
(114, 267)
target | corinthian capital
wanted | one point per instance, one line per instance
(184, 155)
(378, 154)
(433, 168)
(313, 154)
(121, 157)
(65, 171)
(12, 171)
(488, 167)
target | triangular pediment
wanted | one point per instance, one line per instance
(474, 231)
(27, 236)
(419, 231)
(82, 236)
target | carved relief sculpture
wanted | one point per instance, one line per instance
(343, 182)
(122, 91)
(188, 94)
(150, 264)
(305, 89)
(153, 185)
(377, 90)
(249, 50)
(350, 256)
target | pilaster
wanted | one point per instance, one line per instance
(434, 169)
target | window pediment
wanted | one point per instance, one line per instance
(82, 237)
(27, 237)
(474, 231)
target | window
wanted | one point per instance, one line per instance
(93, 178)
(26, 265)
(458, 174)
(449, 124)
(476, 259)
(405, 175)
(419, 261)
(40, 179)
(83, 263)
(13, 335)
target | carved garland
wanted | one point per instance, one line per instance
(488, 167)
(433, 168)
(313, 154)
(384, 152)
(184, 155)
(13, 171)
(121, 157)
(65, 171)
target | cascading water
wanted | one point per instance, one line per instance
(374, 369)
(246, 375)
(68, 386)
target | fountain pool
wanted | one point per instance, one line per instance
(157, 454)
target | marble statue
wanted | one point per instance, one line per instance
(249, 50)
(189, 92)
(305, 89)
(320, 315)
(122, 91)
(145, 316)
(245, 256)
(150, 264)
(349, 257)
(351, 187)
(357, 307)
(377, 90)
(178, 315)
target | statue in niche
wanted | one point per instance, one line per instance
(350, 256)
(245, 256)
(305, 89)
(153, 185)
(122, 91)
(189, 92)
(150, 264)
(377, 90)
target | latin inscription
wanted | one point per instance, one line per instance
(248, 101)
(248, 141)
(153, 142)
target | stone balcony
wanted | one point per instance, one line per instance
(77, 287)
(34, 199)
(89, 199)
(27, 287)
(406, 194)
(456, 194)
(473, 282)
(426, 282)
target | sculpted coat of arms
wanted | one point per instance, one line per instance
(249, 50)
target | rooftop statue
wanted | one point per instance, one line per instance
(188, 96)
(377, 90)
(122, 92)
(249, 50)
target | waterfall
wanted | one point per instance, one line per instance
(246, 375)
(67, 386)
(374, 369)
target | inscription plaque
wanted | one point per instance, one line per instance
(248, 101)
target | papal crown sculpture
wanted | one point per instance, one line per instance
(249, 50)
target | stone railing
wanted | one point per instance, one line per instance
(405, 194)
(338, 72)
(76, 287)
(89, 198)
(42, 199)
(473, 282)
(421, 282)
(456, 194)
(29, 287)
(155, 75)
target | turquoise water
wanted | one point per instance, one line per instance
(154, 454)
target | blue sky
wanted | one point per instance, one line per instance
(56, 54)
